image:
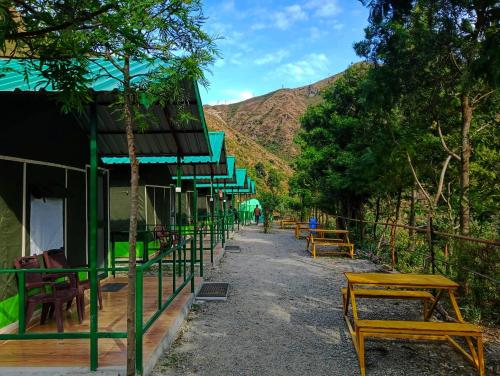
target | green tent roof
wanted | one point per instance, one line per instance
(162, 136)
(230, 177)
(250, 188)
(216, 143)
(241, 181)
(102, 77)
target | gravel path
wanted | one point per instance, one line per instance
(284, 317)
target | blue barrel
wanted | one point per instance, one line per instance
(313, 223)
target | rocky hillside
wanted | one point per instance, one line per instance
(272, 120)
(247, 151)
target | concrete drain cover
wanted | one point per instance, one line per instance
(232, 248)
(213, 291)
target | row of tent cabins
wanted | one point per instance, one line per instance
(65, 183)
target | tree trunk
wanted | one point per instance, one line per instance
(465, 165)
(394, 254)
(377, 217)
(412, 221)
(132, 239)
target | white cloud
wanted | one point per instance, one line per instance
(310, 66)
(258, 26)
(244, 95)
(228, 6)
(219, 63)
(234, 96)
(316, 33)
(272, 58)
(288, 16)
(323, 8)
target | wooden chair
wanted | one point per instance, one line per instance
(36, 285)
(55, 259)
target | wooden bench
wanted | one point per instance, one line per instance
(421, 330)
(326, 242)
(425, 296)
(286, 223)
(299, 228)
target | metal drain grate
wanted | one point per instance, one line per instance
(113, 287)
(213, 291)
(232, 248)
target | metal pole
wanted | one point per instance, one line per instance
(92, 241)
(238, 208)
(212, 204)
(178, 192)
(195, 224)
(21, 281)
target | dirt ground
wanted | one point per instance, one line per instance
(284, 316)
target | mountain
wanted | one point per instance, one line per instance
(272, 120)
(248, 152)
(262, 129)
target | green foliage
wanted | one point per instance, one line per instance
(260, 170)
(270, 200)
(419, 116)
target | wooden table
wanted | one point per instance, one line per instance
(420, 330)
(284, 223)
(299, 226)
(317, 237)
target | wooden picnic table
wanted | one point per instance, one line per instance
(409, 286)
(284, 223)
(299, 227)
(318, 238)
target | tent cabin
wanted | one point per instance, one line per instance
(239, 181)
(157, 198)
(211, 183)
(54, 192)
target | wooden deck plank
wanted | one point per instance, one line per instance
(112, 352)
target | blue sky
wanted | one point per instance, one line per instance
(271, 44)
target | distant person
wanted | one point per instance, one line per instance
(234, 211)
(256, 213)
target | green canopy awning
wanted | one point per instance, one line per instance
(217, 162)
(228, 178)
(163, 136)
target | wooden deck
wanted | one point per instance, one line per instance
(74, 353)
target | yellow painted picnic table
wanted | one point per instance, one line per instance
(299, 227)
(411, 286)
(317, 237)
(284, 223)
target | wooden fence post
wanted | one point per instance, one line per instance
(393, 245)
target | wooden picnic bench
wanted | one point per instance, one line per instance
(299, 228)
(287, 223)
(361, 329)
(318, 238)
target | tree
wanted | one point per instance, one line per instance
(445, 49)
(270, 200)
(67, 36)
(260, 170)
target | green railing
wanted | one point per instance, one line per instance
(179, 269)
(180, 261)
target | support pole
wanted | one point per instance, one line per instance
(178, 192)
(92, 241)
(212, 217)
(195, 232)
